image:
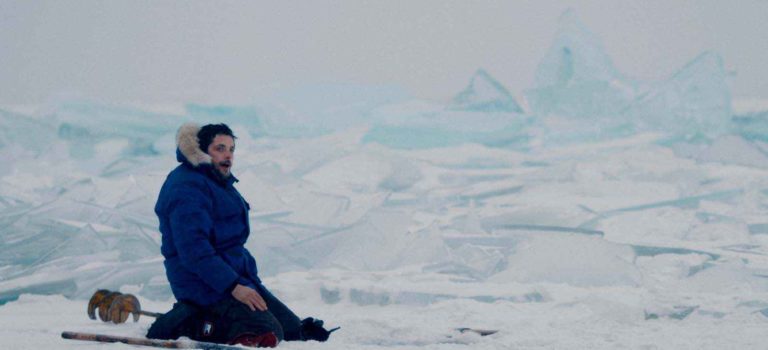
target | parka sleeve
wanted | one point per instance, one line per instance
(191, 224)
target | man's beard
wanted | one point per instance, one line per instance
(224, 169)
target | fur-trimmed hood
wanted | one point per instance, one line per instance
(189, 145)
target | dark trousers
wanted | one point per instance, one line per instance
(225, 320)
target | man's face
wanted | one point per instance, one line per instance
(222, 152)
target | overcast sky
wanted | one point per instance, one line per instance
(228, 51)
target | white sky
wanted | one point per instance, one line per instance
(227, 51)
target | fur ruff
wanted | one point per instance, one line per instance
(189, 145)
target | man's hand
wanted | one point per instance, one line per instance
(250, 297)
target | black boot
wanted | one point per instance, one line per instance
(312, 329)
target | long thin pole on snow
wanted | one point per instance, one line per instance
(168, 344)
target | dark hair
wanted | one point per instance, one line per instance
(208, 132)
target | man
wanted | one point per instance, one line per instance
(204, 225)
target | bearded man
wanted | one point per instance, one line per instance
(204, 225)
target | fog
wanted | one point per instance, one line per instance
(231, 51)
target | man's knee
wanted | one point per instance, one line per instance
(290, 323)
(245, 321)
(179, 321)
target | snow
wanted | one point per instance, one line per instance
(612, 214)
(567, 317)
(614, 244)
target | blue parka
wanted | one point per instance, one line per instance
(204, 226)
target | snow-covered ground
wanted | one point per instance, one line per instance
(598, 212)
(566, 318)
(616, 244)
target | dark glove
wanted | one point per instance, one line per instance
(312, 329)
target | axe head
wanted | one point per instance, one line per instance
(104, 305)
(96, 299)
(122, 306)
